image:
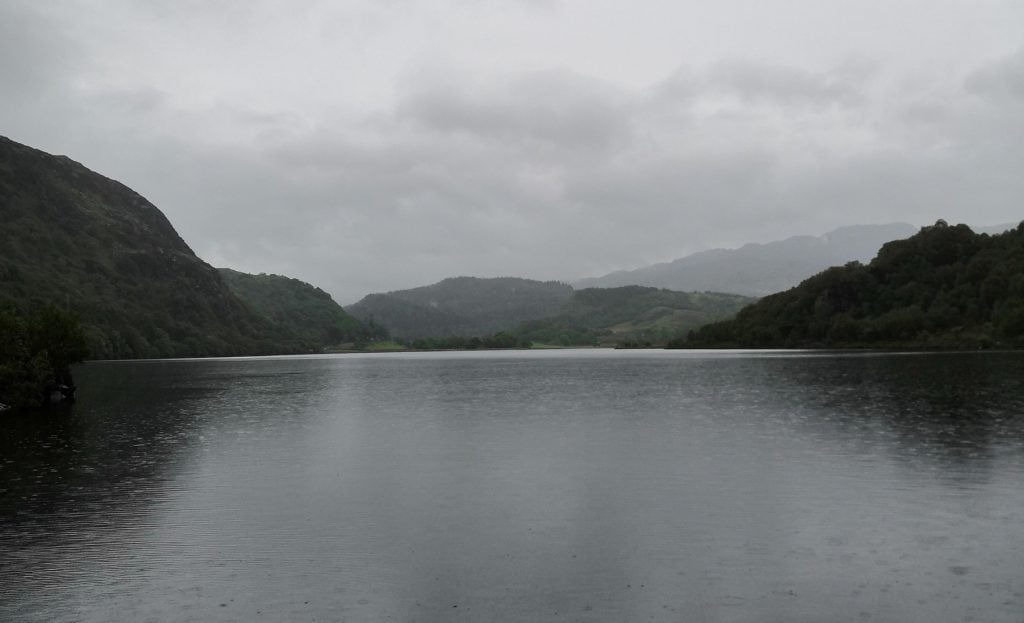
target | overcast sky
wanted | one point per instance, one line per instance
(382, 144)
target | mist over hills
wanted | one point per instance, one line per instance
(78, 240)
(656, 302)
(759, 269)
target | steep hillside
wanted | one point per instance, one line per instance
(468, 306)
(944, 287)
(76, 239)
(759, 269)
(297, 307)
(629, 314)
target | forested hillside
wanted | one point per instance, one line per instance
(303, 310)
(629, 315)
(467, 306)
(944, 287)
(88, 244)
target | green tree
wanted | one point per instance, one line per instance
(58, 334)
(36, 354)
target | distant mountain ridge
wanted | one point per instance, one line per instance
(547, 312)
(759, 269)
(995, 229)
(468, 306)
(73, 238)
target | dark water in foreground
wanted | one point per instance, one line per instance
(523, 486)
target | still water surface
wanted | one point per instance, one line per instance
(523, 486)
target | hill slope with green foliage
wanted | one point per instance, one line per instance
(78, 240)
(630, 314)
(303, 310)
(945, 287)
(468, 306)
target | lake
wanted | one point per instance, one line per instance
(575, 485)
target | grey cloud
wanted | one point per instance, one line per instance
(1003, 79)
(554, 107)
(753, 82)
(146, 102)
(552, 174)
(682, 85)
(35, 52)
(758, 82)
(491, 186)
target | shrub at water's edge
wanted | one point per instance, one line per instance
(36, 354)
(945, 287)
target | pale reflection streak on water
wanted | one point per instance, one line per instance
(573, 485)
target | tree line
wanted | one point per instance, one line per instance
(945, 287)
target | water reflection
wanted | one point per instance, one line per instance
(579, 485)
(79, 488)
(957, 413)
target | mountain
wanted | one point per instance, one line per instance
(945, 287)
(759, 269)
(630, 314)
(468, 306)
(303, 310)
(995, 229)
(76, 239)
(522, 310)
